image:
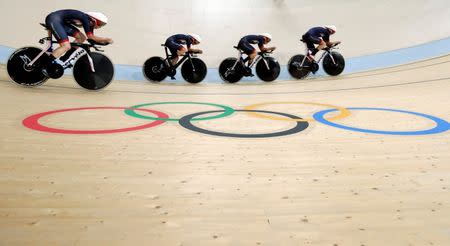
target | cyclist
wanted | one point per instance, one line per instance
(64, 23)
(320, 36)
(176, 43)
(245, 44)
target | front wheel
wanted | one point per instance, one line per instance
(193, 71)
(93, 80)
(297, 69)
(268, 72)
(154, 69)
(333, 66)
(230, 74)
(21, 73)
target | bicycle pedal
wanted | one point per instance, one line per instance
(172, 77)
(45, 73)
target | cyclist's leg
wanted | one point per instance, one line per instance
(55, 24)
(251, 57)
(249, 50)
(79, 38)
(322, 44)
(175, 50)
(181, 50)
(310, 44)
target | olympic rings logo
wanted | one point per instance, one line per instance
(186, 121)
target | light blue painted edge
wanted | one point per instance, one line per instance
(354, 64)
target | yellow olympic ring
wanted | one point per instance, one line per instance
(343, 112)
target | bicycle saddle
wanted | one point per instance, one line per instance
(237, 48)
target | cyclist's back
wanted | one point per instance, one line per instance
(61, 21)
(318, 32)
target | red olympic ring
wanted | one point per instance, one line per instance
(32, 122)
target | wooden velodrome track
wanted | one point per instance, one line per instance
(168, 185)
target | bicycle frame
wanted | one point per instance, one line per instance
(187, 56)
(260, 56)
(77, 54)
(326, 52)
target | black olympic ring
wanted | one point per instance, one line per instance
(300, 125)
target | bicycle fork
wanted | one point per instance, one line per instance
(192, 64)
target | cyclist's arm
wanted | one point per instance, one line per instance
(99, 39)
(330, 43)
(199, 51)
(192, 50)
(264, 49)
(90, 32)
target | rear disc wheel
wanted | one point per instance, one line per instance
(21, 73)
(227, 73)
(297, 69)
(154, 69)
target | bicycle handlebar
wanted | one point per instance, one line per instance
(331, 47)
(91, 44)
(334, 45)
(194, 52)
(259, 53)
(265, 52)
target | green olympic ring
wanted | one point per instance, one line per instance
(227, 111)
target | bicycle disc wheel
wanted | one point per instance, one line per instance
(270, 74)
(295, 68)
(336, 67)
(86, 78)
(228, 74)
(153, 69)
(23, 75)
(188, 72)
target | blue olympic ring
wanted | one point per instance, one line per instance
(441, 125)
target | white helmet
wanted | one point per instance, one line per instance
(267, 35)
(331, 27)
(98, 16)
(196, 37)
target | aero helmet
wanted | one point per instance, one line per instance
(196, 37)
(331, 27)
(99, 17)
(267, 35)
